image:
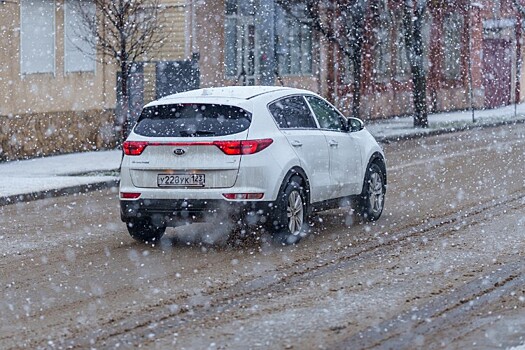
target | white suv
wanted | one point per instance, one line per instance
(267, 155)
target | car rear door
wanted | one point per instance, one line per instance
(193, 145)
(345, 154)
(297, 123)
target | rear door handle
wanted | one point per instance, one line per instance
(296, 143)
(333, 143)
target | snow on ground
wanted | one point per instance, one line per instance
(49, 173)
(403, 126)
(12, 186)
(66, 164)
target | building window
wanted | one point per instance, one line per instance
(452, 30)
(401, 63)
(239, 38)
(231, 7)
(293, 41)
(348, 70)
(37, 36)
(230, 49)
(381, 50)
(426, 32)
(382, 56)
(79, 40)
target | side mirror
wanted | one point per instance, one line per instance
(355, 124)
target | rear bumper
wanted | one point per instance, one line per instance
(168, 210)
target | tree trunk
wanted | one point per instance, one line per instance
(419, 79)
(356, 88)
(419, 82)
(412, 23)
(123, 118)
(356, 41)
(331, 80)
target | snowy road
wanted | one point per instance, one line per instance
(443, 268)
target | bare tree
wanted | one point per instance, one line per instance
(519, 6)
(413, 15)
(353, 14)
(349, 37)
(124, 32)
(519, 44)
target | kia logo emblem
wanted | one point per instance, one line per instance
(179, 151)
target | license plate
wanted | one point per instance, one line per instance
(180, 180)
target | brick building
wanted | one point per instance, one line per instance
(486, 33)
(256, 42)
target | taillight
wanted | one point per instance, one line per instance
(129, 195)
(134, 148)
(231, 148)
(234, 148)
(243, 195)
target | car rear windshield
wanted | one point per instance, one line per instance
(192, 120)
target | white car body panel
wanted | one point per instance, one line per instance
(311, 149)
(220, 169)
(331, 172)
(369, 147)
(345, 163)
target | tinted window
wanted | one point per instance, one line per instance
(192, 120)
(327, 116)
(292, 112)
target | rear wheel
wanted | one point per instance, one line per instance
(372, 200)
(289, 219)
(144, 230)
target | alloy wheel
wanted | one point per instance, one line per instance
(375, 192)
(295, 212)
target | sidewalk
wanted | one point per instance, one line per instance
(402, 128)
(57, 175)
(72, 173)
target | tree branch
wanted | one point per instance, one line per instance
(519, 7)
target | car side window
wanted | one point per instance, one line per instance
(292, 112)
(327, 116)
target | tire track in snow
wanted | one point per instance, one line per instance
(158, 320)
(409, 329)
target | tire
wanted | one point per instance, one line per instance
(290, 213)
(144, 230)
(372, 199)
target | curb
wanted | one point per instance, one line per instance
(28, 197)
(430, 132)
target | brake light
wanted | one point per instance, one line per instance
(129, 195)
(231, 148)
(134, 148)
(234, 148)
(243, 195)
